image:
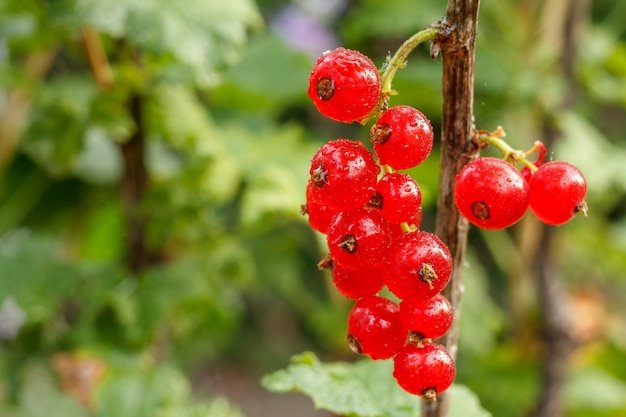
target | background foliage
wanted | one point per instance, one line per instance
(208, 97)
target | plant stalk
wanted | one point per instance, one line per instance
(457, 45)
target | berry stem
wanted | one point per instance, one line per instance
(495, 138)
(398, 60)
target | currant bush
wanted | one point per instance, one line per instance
(344, 85)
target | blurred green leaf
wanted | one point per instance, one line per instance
(364, 389)
(41, 397)
(203, 36)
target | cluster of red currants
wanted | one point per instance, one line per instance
(493, 194)
(371, 218)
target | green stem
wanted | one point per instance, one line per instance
(398, 60)
(508, 153)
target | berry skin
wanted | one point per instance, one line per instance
(398, 197)
(358, 238)
(374, 327)
(353, 283)
(344, 85)
(320, 215)
(425, 369)
(430, 318)
(344, 174)
(490, 193)
(402, 137)
(557, 192)
(417, 266)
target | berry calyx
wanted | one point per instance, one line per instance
(344, 85)
(344, 174)
(402, 137)
(491, 193)
(425, 369)
(417, 266)
(398, 197)
(427, 319)
(374, 327)
(557, 192)
(358, 238)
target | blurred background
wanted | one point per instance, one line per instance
(153, 160)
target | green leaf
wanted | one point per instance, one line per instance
(364, 389)
(203, 36)
(41, 397)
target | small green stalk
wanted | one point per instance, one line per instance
(508, 153)
(398, 60)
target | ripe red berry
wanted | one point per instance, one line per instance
(417, 266)
(398, 197)
(403, 137)
(491, 193)
(557, 192)
(344, 174)
(344, 85)
(354, 283)
(429, 318)
(374, 327)
(424, 369)
(320, 215)
(358, 238)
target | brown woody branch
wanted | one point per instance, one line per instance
(457, 46)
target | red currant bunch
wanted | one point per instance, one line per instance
(371, 222)
(492, 194)
(344, 85)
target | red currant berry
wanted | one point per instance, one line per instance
(397, 196)
(320, 215)
(357, 283)
(557, 192)
(358, 238)
(491, 193)
(344, 174)
(429, 318)
(374, 327)
(417, 266)
(425, 369)
(344, 85)
(403, 137)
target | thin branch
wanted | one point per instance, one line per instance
(457, 46)
(97, 58)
